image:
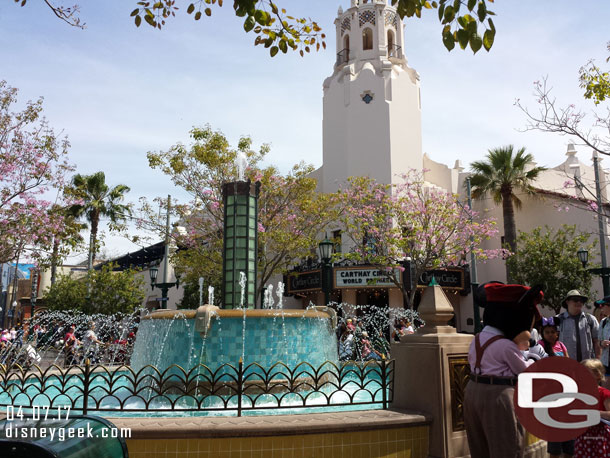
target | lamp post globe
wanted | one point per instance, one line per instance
(583, 256)
(326, 249)
(153, 272)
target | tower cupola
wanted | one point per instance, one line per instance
(369, 29)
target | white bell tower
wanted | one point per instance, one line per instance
(372, 107)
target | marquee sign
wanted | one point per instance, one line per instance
(451, 279)
(371, 277)
(303, 282)
(364, 277)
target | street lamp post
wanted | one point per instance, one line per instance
(13, 311)
(33, 297)
(604, 272)
(474, 283)
(326, 249)
(165, 286)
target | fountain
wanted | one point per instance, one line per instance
(230, 360)
(214, 336)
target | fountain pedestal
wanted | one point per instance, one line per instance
(431, 374)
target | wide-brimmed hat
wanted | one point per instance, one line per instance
(574, 293)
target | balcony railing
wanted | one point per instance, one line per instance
(343, 57)
(395, 51)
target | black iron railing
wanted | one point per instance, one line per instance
(395, 51)
(238, 388)
(343, 56)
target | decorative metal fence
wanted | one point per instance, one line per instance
(98, 388)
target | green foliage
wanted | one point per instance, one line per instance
(548, 257)
(94, 200)
(66, 238)
(503, 174)
(463, 29)
(190, 299)
(463, 21)
(595, 82)
(504, 171)
(111, 292)
(273, 27)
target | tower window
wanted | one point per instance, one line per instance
(367, 39)
(346, 47)
(391, 45)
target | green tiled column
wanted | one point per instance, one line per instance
(240, 242)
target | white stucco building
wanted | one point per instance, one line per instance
(372, 127)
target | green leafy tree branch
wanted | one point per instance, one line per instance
(467, 23)
(111, 292)
(548, 256)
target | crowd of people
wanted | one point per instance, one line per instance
(355, 343)
(79, 347)
(514, 336)
(23, 345)
(12, 336)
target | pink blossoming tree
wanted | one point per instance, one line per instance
(387, 224)
(33, 166)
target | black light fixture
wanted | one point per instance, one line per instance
(583, 256)
(326, 250)
(165, 286)
(153, 272)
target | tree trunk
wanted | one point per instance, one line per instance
(54, 257)
(510, 230)
(95, 220)
(407, 296)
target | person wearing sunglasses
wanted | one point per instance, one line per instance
(578, 330)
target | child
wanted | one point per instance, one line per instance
(553, 347)
(595, 441)
(550, 338)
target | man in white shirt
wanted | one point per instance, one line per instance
(90, 342)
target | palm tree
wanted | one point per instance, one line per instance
(97, 200)
(504, 174)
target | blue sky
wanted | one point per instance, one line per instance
(119, 92)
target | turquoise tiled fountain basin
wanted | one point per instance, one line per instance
(265, 337)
